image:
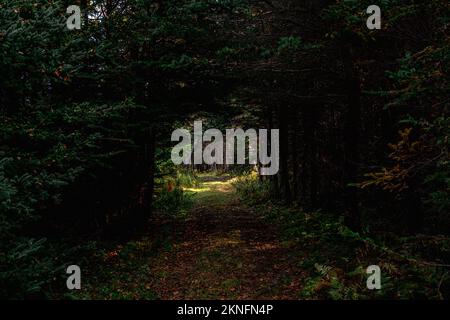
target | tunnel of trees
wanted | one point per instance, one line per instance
(87, 115)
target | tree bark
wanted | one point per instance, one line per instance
(351, 138)
(284, 154)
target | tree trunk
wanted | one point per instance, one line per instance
(275, 190)
(284, 154)
(351, 138)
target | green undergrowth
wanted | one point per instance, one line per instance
(171, 197)
(336, 258)
(119, 273)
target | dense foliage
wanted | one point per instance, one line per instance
(86, 115)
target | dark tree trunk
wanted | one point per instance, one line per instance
(147, 189)
(310, 173)
(284, 154)
(351, 138)
(273, 179)
(295, 153)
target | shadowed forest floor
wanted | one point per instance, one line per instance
(221, 249)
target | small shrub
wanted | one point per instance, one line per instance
(252, 189)
(173, 202)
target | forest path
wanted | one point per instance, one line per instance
(219, 249)
(224, 250)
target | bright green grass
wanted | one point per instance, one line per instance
(215, 192)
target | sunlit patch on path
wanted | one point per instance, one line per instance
(213, 191)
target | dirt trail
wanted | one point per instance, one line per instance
(224, 250)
